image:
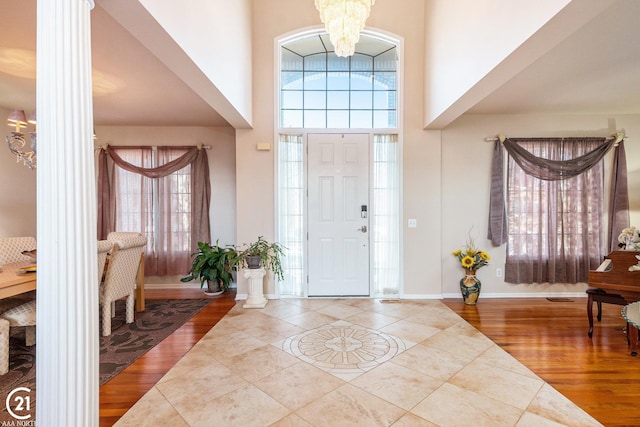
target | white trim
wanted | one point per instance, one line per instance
(376, 33)
(419, 296)
(524, 295)
(172, 285)
(180, 285)
(243, 297)
(416, 297)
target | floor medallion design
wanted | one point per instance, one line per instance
(343, 348)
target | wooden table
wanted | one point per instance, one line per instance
(12, 283)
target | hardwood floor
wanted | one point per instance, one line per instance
(549, 337)
(123, 391)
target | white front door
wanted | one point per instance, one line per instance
(338, 207)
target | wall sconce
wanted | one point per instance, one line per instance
(16, 141)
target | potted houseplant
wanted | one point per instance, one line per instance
(262, 253)
(213, 265)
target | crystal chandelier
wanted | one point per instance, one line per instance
(343, 20)
(17, 142)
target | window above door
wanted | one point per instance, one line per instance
(318, 89)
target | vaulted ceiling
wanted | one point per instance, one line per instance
(131, 85)
(596, 70)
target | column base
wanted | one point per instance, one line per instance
(255, 304)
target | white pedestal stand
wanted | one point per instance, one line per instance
(256, 298)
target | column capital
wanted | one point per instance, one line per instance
(253, 273)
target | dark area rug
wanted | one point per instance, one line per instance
(126, 343)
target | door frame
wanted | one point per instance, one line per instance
(304, 134)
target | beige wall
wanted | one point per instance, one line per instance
(18, 183)
(421, 149)
(466, 163)
(445, 173)
(17, 191)
(221, 164)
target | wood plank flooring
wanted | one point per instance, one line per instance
(124, 390)
(549, 337)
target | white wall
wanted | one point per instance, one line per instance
(475, 47)
(466, 172)
(206, 43)
(17, 191)
(221, 164)
(216, 34)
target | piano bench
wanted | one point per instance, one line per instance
(599, 296)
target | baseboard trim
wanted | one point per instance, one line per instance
(525, 295)
(405, 296)
(188, 285)
(172, 285)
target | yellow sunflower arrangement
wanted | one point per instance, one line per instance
(471, 258)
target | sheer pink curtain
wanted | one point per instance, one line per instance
(173, 243)
(163, 193)
(555, 229)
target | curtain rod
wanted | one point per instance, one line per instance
(104, 146)
(618, 136)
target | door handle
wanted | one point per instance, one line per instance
(362, 229)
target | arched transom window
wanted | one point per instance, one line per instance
(321, 90)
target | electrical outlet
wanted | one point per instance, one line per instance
(412, 223)
(498, 272)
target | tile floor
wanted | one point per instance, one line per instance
(344, 362)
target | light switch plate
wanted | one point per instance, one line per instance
(412, 223)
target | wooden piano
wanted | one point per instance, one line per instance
(613, 283)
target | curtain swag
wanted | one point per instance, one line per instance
(160, 171)
(200, 188)
(553, 170)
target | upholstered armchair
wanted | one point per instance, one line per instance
(4, 346)
(18, 310)
(11, 249)
(104, 246)
(15, 312)
(23, 315)
(120, 277)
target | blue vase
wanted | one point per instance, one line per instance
(470, 287)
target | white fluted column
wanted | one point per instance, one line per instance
(67, 293)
